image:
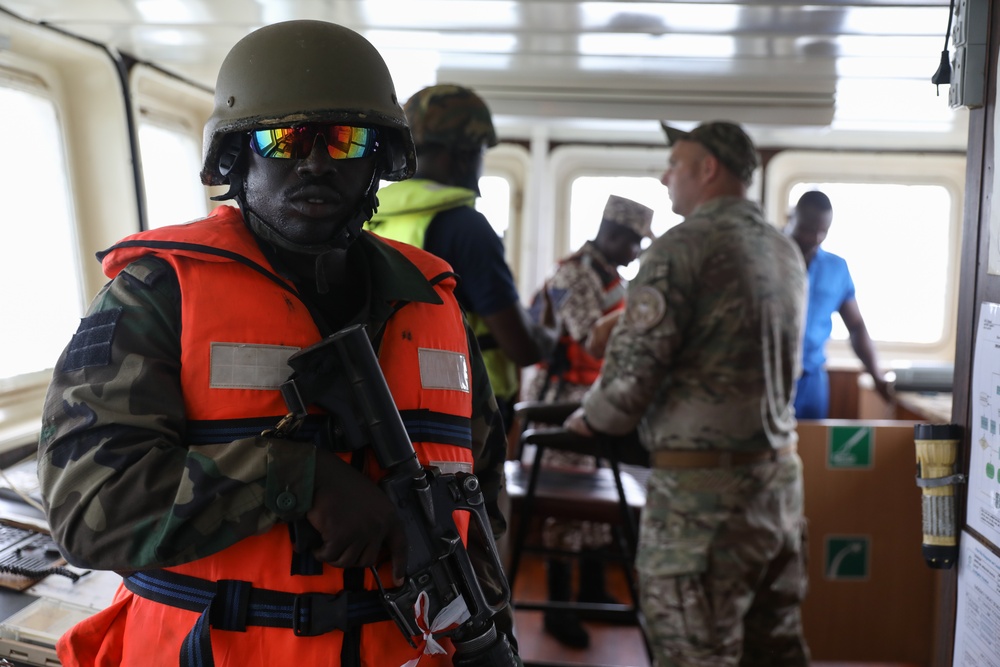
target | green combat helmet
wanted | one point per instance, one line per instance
(452, 116)
(298, 72)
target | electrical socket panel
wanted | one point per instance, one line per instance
(968, 64)
(968, 77)
(969, 23)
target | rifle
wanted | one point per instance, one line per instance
(341, 374)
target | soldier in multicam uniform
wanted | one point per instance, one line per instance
(704, 360)
(435, 210)
(159, 456)
(585, 288)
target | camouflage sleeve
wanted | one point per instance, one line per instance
(643, 344)
(122, 488)
(576, 296)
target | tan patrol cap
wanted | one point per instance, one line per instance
(629, 214)
(726, 141)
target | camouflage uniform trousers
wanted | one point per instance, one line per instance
(722, 566)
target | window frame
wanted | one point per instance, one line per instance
(571, 162)
(567, 163)
(79, 75)
(172, 104)
(511, 162)
(21, 396)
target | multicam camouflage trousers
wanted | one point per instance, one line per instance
(721, 566)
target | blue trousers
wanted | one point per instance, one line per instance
(812, 395)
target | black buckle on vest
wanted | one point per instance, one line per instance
(230, 605)
(318, 613)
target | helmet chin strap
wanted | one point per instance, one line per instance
(228, 159)
(328, 254)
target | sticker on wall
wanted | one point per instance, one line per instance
(846, 557)
(850, 447)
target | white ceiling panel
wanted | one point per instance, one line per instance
(854, 72)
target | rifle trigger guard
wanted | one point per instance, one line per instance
(393, 609)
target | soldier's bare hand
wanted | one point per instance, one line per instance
(355, 519)
(597, 340)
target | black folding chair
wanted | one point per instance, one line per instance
(606, 494)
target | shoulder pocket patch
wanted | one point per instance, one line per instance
(148, 270)
(91, 344)
(646, 308)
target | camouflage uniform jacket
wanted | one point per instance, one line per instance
(709, 347)
(125, 487)
(580, 295)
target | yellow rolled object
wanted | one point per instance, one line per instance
(937, 447)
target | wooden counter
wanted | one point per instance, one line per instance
(930, 407)
(922, 406)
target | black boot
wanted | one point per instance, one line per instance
(593, 589)
(565, 626)
(593, 586)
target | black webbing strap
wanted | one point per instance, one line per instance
(487, 342)
(230, 604)
(350, 650)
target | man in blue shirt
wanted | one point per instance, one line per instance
(831, 290)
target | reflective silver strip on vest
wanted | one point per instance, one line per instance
(245, 366)
(443, 369)
(451, 467)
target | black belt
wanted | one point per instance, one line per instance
(231, 604)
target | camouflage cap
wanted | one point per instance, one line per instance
(629, 214)
(726, 141)
(450, 115)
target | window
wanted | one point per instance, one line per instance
(569, 212)
(895, 238)
(42, 295)
(494, 202)
(897, 221)
(589, 194)
(502, 185)
(171, 162)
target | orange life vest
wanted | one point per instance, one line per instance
(226, 302)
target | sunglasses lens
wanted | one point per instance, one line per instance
(345, 141)
(342, 141)
(281, 142)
